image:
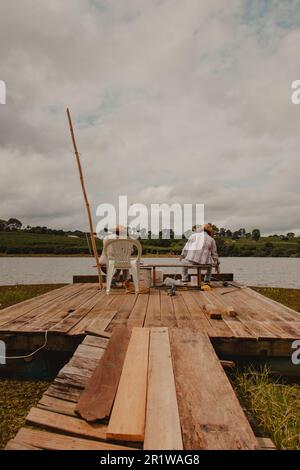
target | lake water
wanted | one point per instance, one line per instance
(273, 272)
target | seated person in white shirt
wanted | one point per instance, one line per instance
(200, 248)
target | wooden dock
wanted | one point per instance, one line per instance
(186, 407)
(145, 372)
(260, 326)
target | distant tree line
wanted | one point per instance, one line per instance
(164, 238)
(15, 225)
(230, 243)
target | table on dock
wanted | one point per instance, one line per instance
(153, 266)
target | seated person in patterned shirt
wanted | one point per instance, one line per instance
(200, 249)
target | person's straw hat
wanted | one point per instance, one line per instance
(208, 228)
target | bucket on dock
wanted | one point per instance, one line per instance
(159, 277)
(146, 276)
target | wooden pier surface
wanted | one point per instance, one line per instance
(112, 394)
(76, 310)
(187, 407)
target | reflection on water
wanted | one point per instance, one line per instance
(275, 272)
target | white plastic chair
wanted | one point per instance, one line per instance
(118, 254)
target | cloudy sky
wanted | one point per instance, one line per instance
(173, 101)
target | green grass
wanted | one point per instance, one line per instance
(274, 405)
(16, 399)
(26, 243)
(10, 295)
(288, 297)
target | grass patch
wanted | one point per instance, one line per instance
(288, 297)
(274, 405)
(16, 399)
(10, 295)
(27, 243)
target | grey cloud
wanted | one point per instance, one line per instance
(172, 101)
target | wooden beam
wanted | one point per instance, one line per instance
(97, 399)
(162, 430)
(54, 441)
(127, 421)
(210, 414)
(66, 423)
(97, 327)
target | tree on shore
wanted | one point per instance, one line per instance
(256, 234)
(290, 235)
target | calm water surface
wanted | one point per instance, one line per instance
(275, 272)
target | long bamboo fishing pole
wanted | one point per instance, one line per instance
(95, 251)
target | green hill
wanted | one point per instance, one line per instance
(27, 243)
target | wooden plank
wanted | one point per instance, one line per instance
(95, 341)
(124, 311)
(75, 316)
(288, 329)
(294, 315)
(36, 309)
(200, 320)
(249, 307)
(213, 312)
(84, 363)
(73, 376)
(162, 431)
(247, 314)
(238, 328)
(210, 414)
(64, 392)
(115, 304)
(233, 325)
(11, 313)
(259, 330)
(64, 311)
(98, 326)
(153, 314)
(58, 406)
(96, 401)
(14, 445)
(265, 443)
(127, 421)
(251, 315)
(54, 441)
(219, 326)
(72, 369)
(138, 312)
(167, 315)
(88, 352)
(107, 301)
(64, 423)
(182, 314)
(271, 306)
(43, 318)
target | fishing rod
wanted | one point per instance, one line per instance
(94, 246)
